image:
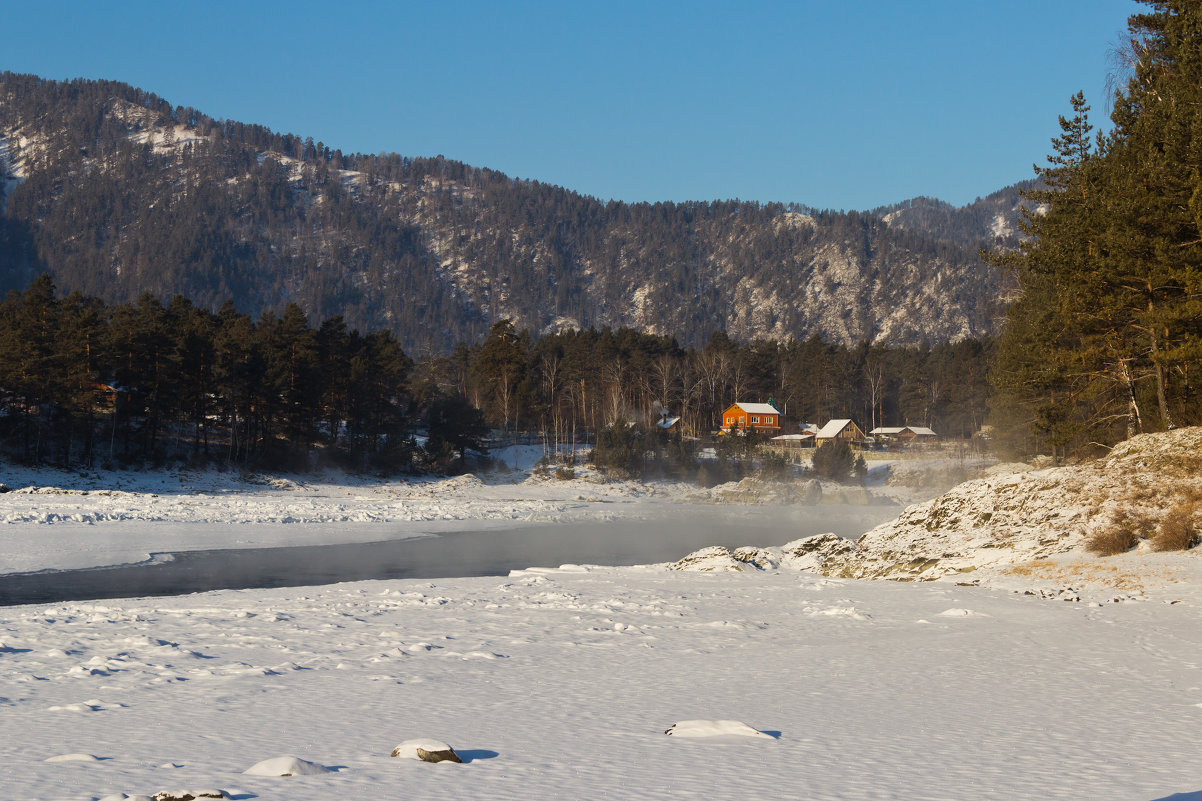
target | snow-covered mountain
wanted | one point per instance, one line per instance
(114, 192)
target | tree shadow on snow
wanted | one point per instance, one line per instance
(1194, 796)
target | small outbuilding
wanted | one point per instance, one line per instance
(841, 431)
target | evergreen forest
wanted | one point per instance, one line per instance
(86, 383)
(1105, 338)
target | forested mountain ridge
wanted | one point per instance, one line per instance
(114, 191)
(995, 216)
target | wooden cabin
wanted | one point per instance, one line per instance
(763, 418)
(841, 431)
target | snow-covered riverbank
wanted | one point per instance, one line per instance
(560, 684)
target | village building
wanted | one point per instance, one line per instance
(905, 435)
(841, 431)
(920, 435)
(804, 438)
(888, 435)
(763, 418)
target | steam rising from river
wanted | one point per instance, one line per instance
(663, 535)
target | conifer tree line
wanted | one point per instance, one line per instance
(87, 383)
(1105, 339)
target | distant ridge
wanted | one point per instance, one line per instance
(114, 191)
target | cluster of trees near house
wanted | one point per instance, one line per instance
(1105, 340)
(587, 379)
(84, 382)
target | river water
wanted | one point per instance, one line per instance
(665, 537)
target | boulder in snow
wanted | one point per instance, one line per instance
(186, 795)
(819, 553)
(286, 766)
(426, 750)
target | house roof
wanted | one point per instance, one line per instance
(888, 430)
(793, 437)
(668, 422)
(832, 428)
(922, 431)
(758, 408)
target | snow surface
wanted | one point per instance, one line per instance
(556, 685)
(561, 683)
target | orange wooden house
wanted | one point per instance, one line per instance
(763, 418)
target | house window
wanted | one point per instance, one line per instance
(755, 419)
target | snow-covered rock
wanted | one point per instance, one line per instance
(286, 766)
(757, 557)
(714, 559)
(187, 795)
(714, 728)
(812, 553)
(426, 750)
(753, 490)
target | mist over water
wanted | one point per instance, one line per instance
(666, 536)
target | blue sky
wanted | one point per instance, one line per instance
(830, 104)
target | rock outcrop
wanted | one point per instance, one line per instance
(1010, 519)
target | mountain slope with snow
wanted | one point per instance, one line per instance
(116, 192)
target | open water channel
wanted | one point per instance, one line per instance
(662, 538)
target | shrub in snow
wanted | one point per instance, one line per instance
(1178, 529)
(714, 728)
(1123, 532)
(286, 766)
(426, 751)
(714, 559)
